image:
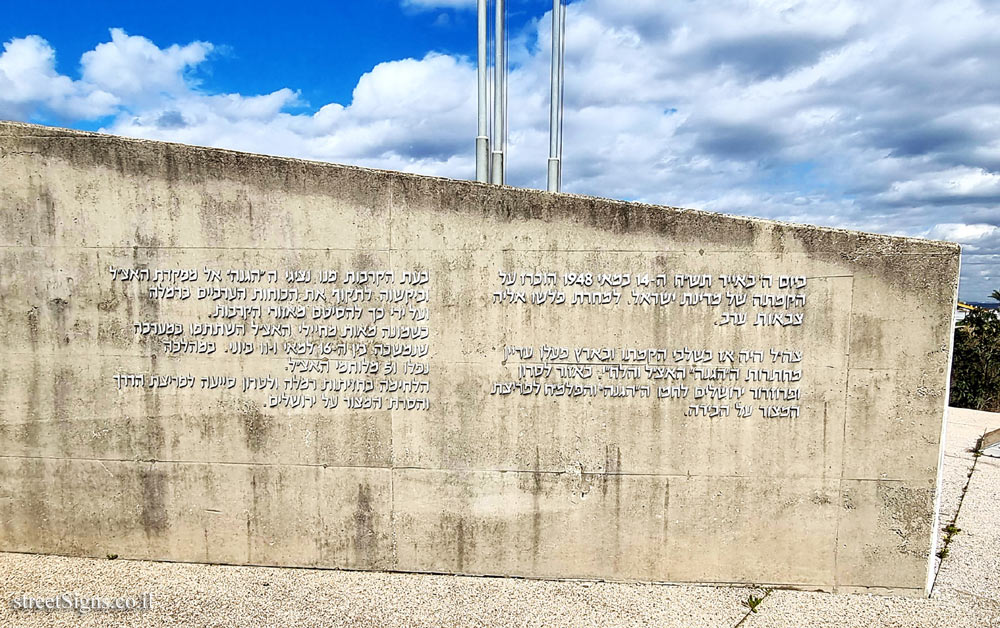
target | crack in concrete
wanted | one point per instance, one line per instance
(954, 520)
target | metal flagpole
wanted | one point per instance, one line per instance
(562, 89)
(499, 95)
(482, 140)
(553, 169)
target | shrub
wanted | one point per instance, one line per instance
(975, 366)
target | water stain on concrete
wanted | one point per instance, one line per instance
(365, 539)
(256, 426)
(154, 500)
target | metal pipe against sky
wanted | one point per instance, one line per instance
(506, 75)
(482, 139)
(562, 88)
(553, 164)
(499, 95)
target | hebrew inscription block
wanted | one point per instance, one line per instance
(221, 357)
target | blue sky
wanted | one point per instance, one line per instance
(876, 116)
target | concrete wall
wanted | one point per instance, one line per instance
(577, 428)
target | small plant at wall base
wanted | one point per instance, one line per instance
(950, 531)
(753, 601)
(975, 366)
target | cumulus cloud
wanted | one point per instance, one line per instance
(945, 187)
(29, 84)
(836, 112)
(963, 232)
(135, 68)
(413, 114)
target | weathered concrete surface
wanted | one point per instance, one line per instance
(966, 594)
(991, 443)
(840, 497)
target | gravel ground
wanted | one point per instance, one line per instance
(967, 591)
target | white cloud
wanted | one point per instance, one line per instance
(959, 232)
(29, 83)
(948, 186)
(134, 67)
(837, 112)
(412, 114)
